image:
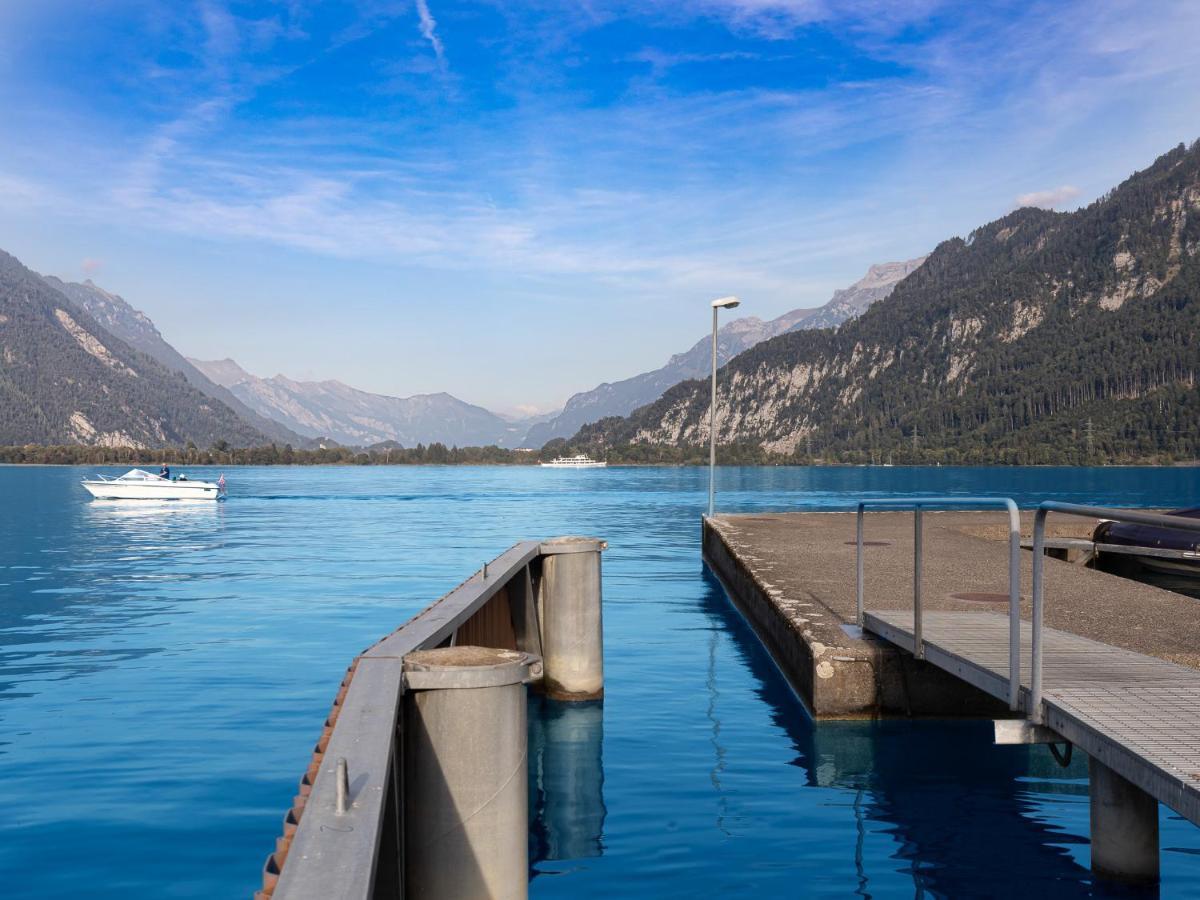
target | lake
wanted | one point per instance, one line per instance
(165, 671)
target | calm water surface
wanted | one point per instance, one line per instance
(164, 672)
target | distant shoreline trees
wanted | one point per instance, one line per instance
(221, 454)
(1073, 453)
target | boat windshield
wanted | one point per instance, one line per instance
(139, 475)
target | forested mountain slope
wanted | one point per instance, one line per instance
(65, 380)
(116, 316)
(1001, 347)
(622, 397)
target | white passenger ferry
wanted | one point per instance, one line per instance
(574, 462)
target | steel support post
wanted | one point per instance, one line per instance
(1124, 827)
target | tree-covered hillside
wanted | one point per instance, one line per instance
(1042, 337)
(116, 316)
(65, 380)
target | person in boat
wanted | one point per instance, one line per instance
(165, 472)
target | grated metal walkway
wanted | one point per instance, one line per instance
(1138, 715)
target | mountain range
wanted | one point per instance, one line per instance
(336, 411)
(622, 397)
(227, 403)
(1037, 335)
(1041, 337)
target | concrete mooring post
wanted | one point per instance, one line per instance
(466, 814)
(1124, 821)
(572, 625)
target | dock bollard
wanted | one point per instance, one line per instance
(572, 625)
(466, 801)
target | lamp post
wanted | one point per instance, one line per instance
(722, 303)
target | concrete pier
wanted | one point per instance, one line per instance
(792, 576)
(418, 785)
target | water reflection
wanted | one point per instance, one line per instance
(151, 524)
(86, 574)
(719, 751)
(959, 812)
(566, 780)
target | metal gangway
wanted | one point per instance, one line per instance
(1137, 717)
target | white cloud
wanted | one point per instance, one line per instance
(429, 32)
(1050, 199)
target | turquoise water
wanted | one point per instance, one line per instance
(164, 672)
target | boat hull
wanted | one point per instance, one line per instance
(1186, 568)
(1170, 551)
(172, 490)
(591, 465)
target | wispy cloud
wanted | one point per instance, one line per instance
(429, 32)
(1050, 199)
(91, 266)
(671, 189)
(781, 19)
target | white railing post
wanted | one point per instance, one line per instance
(859, 566)
(1039, 555)
(1014, 605)
(918, 565)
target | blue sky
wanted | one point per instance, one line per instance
(515, 201)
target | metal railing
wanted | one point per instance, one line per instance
(1133, 517)
(355, 850)
(920, 504)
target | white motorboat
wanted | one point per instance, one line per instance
(574, 462)
(138, 484)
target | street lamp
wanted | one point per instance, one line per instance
(722, 303)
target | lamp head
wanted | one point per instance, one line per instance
(726, 303)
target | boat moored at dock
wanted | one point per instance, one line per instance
(1156, 547)
(138, 484)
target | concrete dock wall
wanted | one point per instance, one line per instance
(835, 671)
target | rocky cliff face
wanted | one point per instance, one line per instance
(850, 303)
(622, 397)
(1004, 343)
